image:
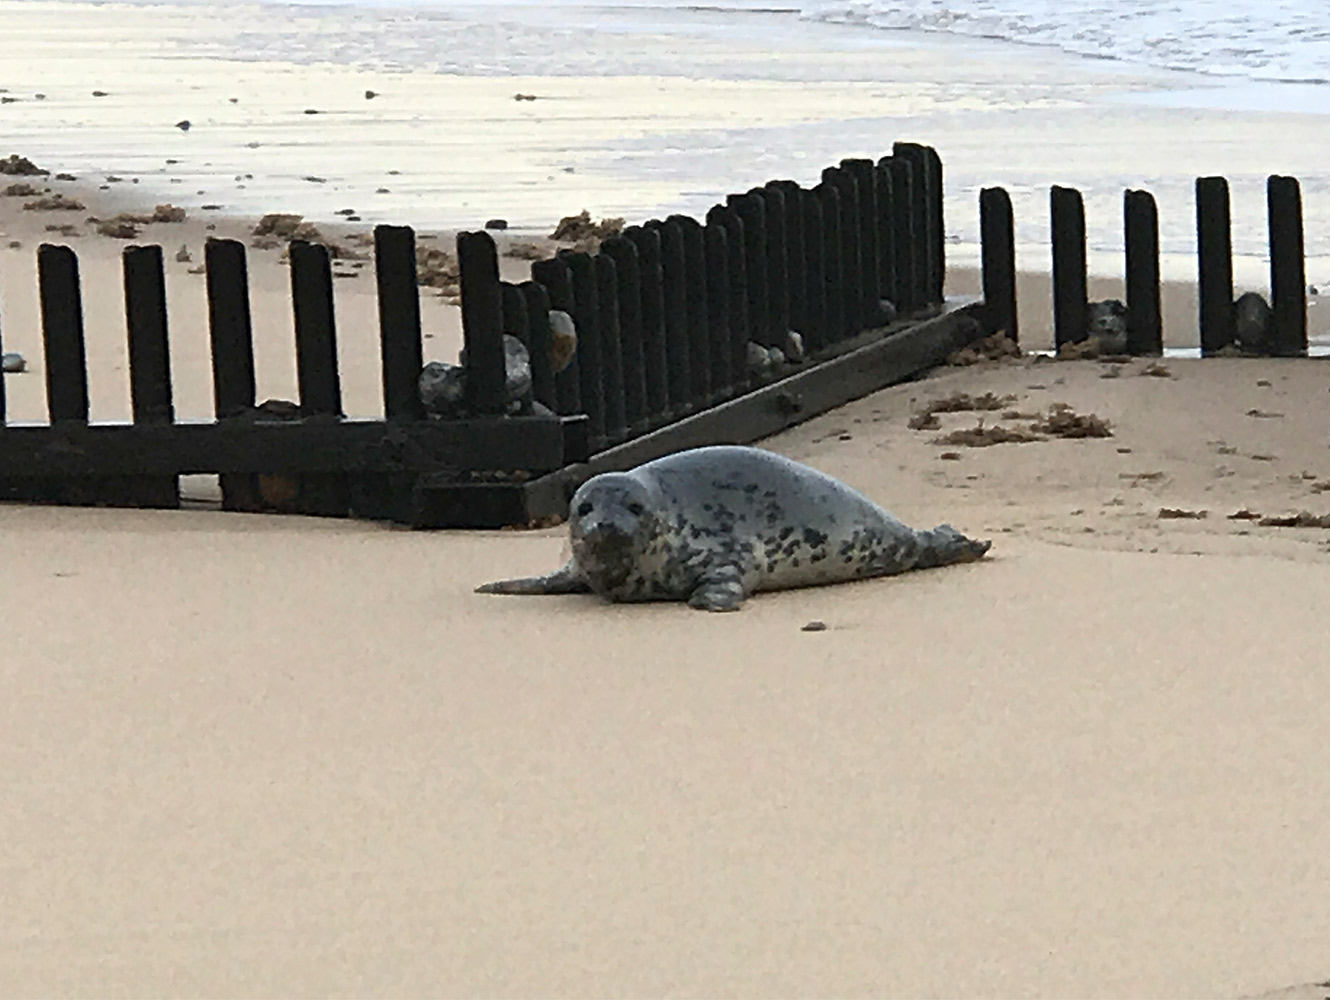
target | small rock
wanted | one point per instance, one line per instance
(182, 255)
(759, 361)
(1252, 323)
(371, 94)
(776, 355)
(442, 388)
(814, 626)
(1106, 326)
(184, 125)
(65, 177)
(13, 363)
(794, 346)
(563, 340)
(100, 93)
(524, 97)
(886, 312)
(311, 111)
(315, 180)
(496, 224)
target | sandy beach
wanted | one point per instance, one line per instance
(251, 756)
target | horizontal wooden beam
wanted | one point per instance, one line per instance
(879, 360)
(532, 444)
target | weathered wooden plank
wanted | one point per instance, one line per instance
(736, 277)
(816, 327)
(778, 264)
(400, 345)
(232, 341)
(149, 367)
(573, 383)
(1145, 329)
(696, 302)
(835, 294)
(62, 333)
(482, 322)
(866, 229)
(716, 249)
(1067, 213)
(628, 276)
(851, 314)
(1214, 262)
(752, 211)
(930, 224)
(581, 301)
(655, 352)
(314, 444)
(537, 303)
(316, 330)
(998, 249)
(910, 267)
(1288, 278)
(676, 318)
(612, 364)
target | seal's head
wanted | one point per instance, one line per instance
(612, 524)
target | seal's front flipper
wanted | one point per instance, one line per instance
(564, 580)
(945, 545)
(718, 591)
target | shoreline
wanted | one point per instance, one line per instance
(450, 146)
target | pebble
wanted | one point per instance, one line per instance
(814, 626)
(13, 363)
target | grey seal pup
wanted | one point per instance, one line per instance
(713, 525)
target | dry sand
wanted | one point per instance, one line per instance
(251, 756)
(254, 756)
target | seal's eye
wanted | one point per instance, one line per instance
(636, 509)
(584, 508)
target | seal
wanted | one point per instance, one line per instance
(713, 525)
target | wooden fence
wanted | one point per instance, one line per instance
(668, 317)
(1287, 334)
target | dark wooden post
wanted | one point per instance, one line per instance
(1145, 328)
(930, 222)
(884, 225)
(674, 299)
(998, 249)
(400, 348)
(719, 353)
(536, 301)
(1288, 278)
(833, 268)
(482, 322)
(1067, 212)
(572, 283)
(778, 268)
(1214, 257)
(62, 334)
(905, 241)
(232, 341)
(517, 324)
(627, 271)
(866, 228)
(316, 333)
(570, 385)
(612, 377)
(816, 330)
(325, 494)
(752, 210)
(149, 347)
(697, 305)
(737, 278)
(851, 270)
(795, 267)
(655, 353)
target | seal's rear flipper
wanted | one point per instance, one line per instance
(564, 580)
(945, 545)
